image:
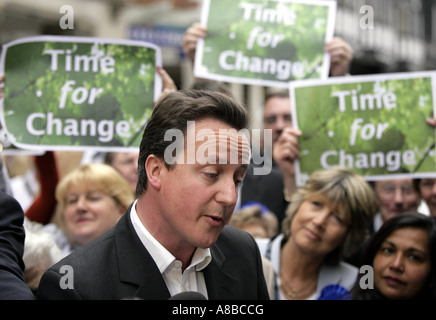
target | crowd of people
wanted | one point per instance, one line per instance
(133, 226)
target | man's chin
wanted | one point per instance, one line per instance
(207, 242)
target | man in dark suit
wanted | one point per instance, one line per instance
(173, 238)
(12, 285)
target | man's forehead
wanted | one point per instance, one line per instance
(229, 135)
(278, 101)
(395, 182)
(206, 127)
(223, 140)
(213, 141)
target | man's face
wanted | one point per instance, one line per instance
(428, 193)
(277, 115)
(126, 163)
(395, 197)
(196, 200)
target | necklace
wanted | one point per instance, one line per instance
(297, 294)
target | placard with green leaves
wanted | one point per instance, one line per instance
(374, 124)
(78, 93)
(265, 43)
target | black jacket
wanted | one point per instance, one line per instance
(117, 266)
(12, 285)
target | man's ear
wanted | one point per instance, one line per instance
(154, 167)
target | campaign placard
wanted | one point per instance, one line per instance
(266, 43)
(78, 93)
(373, 124)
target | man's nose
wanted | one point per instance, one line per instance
(398, 196)
(227, 193)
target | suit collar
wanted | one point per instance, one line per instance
(220, 285)
(137, 267)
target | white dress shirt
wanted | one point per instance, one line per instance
(192, 279)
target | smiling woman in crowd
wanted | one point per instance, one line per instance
(92, 198)
(326, 218)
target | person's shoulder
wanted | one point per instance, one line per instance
(6, 197)
(234, 238)
(106, 240)
(263, 243)
(232, 232)
(90, 254)
(238, 246)
(348, 268)
(10, 205)
(348, 273)
(266, 244)
(341, 273)
(343, 268)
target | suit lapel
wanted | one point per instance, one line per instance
(152, 286)
(220, 285)
(136, 266)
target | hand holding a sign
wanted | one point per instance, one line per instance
(192, 34)
(431, 121)
(168, 84)
(341, 55)
(285, 152)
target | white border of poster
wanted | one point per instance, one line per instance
(72, 39)
(201, 72)
(301, 178)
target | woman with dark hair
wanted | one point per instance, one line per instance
(402, 255)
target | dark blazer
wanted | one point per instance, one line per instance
(117, 266)
(12, 284)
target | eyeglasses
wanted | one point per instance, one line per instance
(273, 119)
(389, 190)
(427, 184)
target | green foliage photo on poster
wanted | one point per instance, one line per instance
(74, 93)
(372, 124)
(265, 42)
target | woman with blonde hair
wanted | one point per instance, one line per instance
(92, 198)
(327, 218)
